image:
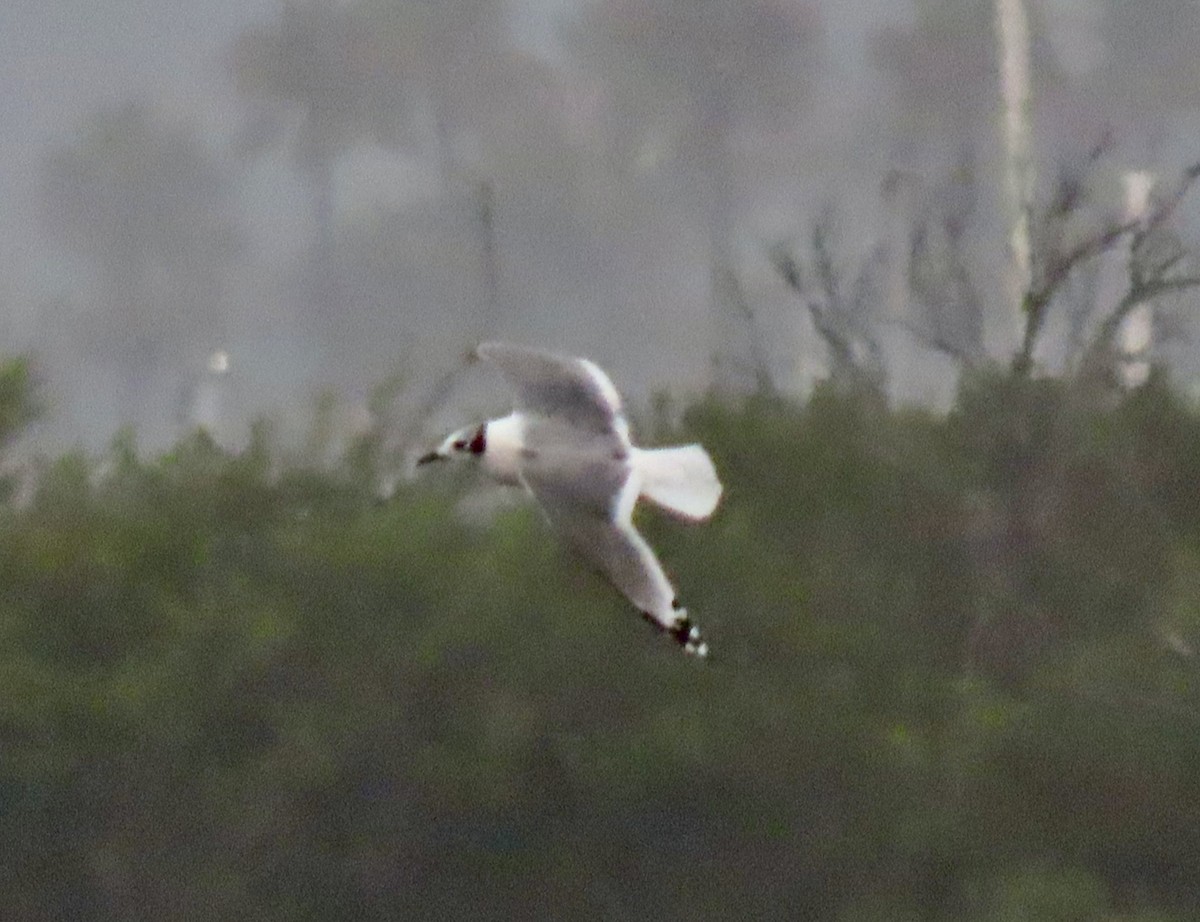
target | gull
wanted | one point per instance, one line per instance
(567, 443)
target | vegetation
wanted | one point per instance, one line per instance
(953, 679)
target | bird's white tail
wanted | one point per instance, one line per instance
(681, 480)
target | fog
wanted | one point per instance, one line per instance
(920, 276)
(216, 211)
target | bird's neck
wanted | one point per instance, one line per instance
(501, 458)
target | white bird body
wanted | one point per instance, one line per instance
(681, 480)
(567, 442)
(502, 458)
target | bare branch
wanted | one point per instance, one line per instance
(823, 259)
(758, 353)
(1052, 273)
(1146, 283)
(1059, 266)
(786, 264)
(1136, 296)
(936, 341)
(1165, 208)
(939, 281)
(854, 355)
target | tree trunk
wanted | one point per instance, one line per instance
(1012, 28)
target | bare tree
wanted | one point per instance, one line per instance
(843, 312)
(1157, 264)
(945, 308)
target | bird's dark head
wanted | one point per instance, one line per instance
(470, 442)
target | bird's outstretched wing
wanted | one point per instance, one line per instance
(575, 458)
(563, 390)
(591, 510)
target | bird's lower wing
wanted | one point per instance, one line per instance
(608, 540)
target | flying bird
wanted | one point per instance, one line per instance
(567, 443)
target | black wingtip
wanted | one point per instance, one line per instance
(681, 630)
(684, 633)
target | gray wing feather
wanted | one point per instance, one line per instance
(590, 525)
(559, 387)
(575, 484)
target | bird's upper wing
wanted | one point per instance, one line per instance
(567, 393)
(590, 505)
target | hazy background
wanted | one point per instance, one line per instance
(330, 192)
(252, 671)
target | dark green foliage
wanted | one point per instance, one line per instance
(951, 680)
(18, 401)
(19, 407)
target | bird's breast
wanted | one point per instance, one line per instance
(502, 457)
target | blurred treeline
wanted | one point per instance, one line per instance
(953, 679)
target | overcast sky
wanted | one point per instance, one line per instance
(64, 61)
